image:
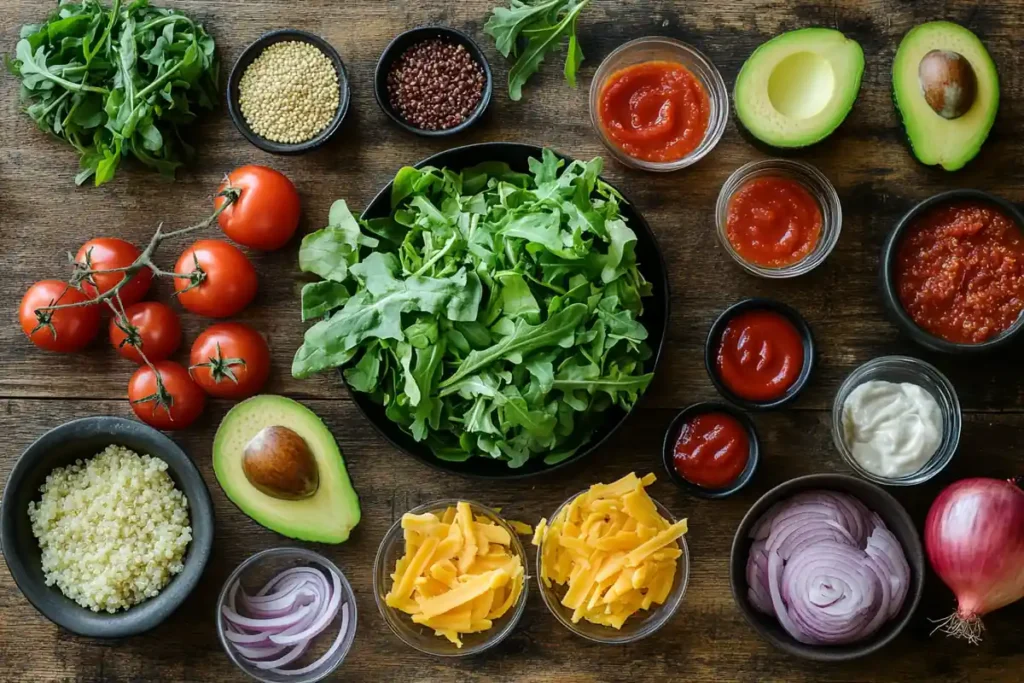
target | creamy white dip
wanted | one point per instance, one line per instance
(892, 429)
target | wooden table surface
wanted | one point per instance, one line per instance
(43, 215)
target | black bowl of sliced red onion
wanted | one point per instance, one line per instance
(287, 614)
(827, 567)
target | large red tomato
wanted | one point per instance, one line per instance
(266, 214)
(67, 329)
(175, 405)
(225, 281)
(104, 253)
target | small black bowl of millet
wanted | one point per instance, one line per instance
(433, 81)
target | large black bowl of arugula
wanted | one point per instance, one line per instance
(497, 310)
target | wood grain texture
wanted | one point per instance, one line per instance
(42, 215)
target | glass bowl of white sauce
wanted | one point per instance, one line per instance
(896, 421)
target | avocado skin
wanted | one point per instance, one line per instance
(935, 127)
(329, 515)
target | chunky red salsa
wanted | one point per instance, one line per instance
(712, 450)
(773, 222)
(960, 272)
(655, 111)
(760, 355)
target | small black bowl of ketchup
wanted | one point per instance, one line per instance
(711, 450)
(759, 354)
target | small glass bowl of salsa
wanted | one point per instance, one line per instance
(711, 450)
(778, 218)
(658, 104)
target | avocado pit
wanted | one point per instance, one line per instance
(279, 462)
(948, 83)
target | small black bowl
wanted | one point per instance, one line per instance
(715, 336)
(404, 41)
(672, 435)
(891, 298)
(877, 500)
(83, 439)
(249, 56)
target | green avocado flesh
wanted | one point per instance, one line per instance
(325, 517)
(935, 140)
(798, 87)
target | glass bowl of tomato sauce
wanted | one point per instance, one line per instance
(778, 218)
(711, 450)
(759, 354)
(952, 272)
(658, 104)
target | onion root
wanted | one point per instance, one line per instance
(968, 628)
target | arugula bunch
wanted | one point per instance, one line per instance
(117, 81)
(529, 30)
(493, 313)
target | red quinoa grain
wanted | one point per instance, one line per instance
(435, 84)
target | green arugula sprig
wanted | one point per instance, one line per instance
(492, 314)
(117, 81)
(541, 24)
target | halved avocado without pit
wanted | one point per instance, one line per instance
(279, 463)
(946, 89)
(795, 89)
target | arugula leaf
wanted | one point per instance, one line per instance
(543, 23)
(493, 314)
(320, 298)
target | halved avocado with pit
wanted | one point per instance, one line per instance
(279, 463)
(795, 89)
(946, 89)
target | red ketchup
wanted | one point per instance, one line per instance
(712, 450)
(760, 355)
(773, 222)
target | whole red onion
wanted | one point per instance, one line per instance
(974, 537)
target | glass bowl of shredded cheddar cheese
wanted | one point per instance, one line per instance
(613, 562)
(450, 578)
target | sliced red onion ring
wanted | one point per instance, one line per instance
(327, 655)
(283, 617)
(826, 567)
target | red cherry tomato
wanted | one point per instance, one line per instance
(104, 253)
(176, 405)
(150, 324)
(230, 360)
(225, 284)
(266, 214)
(67, 329)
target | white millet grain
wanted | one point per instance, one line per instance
(289, 93)
(113, 529)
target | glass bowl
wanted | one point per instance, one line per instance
(815, 182)
(254, 573)
(422, 638)
(914, 371)
(655, 48)
(641, 624)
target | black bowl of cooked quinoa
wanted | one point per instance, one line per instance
(288, 92)
(433, 81)
(105, 496)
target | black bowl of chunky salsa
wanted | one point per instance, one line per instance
(952, 274)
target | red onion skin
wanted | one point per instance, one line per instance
(974, 538)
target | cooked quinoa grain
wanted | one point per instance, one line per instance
(113, 529)
(289, 93)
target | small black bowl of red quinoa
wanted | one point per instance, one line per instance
(433, 81)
